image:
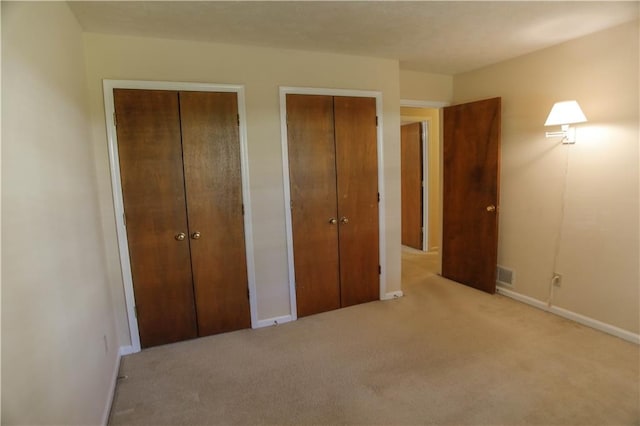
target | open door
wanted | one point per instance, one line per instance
(411, 180)
(471, 162)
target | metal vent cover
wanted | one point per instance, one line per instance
(505, 276)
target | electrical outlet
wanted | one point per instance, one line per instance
(557, 280)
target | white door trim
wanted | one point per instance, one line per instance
(423, 104)
(425, 184)
(116, 185)
(284, 91)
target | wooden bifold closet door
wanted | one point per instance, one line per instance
(333, 175)
(180, 170)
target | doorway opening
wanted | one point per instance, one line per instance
(464, 185)
(421, 183)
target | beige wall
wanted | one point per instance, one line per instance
(61, 280)
(571, 208)
(56, 309)
(432, 116)
(261, 71)
(424, 86)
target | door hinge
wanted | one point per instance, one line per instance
(378, 197)
(379, 270)
(124, 219)
(243, 210)
(291, 204)
(248, 295)
(115, 121)
(238, 116)
(135, 311)
(376, 121)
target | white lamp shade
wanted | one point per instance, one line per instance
(566, 112)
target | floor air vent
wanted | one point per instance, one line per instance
(505, 276)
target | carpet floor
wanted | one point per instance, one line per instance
(444, 354)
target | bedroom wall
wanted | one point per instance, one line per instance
(571, 209)
(425, 86)
(59, 343)
(261, 71)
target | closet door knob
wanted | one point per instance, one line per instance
(344, 220)
(180, 236)
(195, 235)
(491, 208)
(333, 221)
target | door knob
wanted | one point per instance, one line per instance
(491, 208)
(195, 235)
(180, 236)
(333, 221)
(344, 220)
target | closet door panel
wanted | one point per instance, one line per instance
(148, 131)
(211, 151)
(357, 183)
(312, 176)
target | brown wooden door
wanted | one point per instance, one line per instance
(148, 130)
(411, 177)
(471, 151)
(211, 153)
(333, 177)
(180, 170)
(312, 176)
(357, 194)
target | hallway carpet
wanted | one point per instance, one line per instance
(444, 354)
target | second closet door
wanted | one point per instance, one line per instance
(333, 176)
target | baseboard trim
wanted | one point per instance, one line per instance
(522, 298)
(598, 325)
(392, 295)
(112, 389)
(273, 321)
(570, 315)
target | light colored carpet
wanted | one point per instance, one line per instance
(444, 354)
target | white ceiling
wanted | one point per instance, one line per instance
(447, 37)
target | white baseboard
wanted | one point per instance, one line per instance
(392, 295)
(522, 298)
(564, 313)
(127, 350)
(112, 390)
(273, 321)
(598, 325)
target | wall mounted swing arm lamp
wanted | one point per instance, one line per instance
(564, 114)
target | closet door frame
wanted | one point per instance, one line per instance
(284, 91)
(116, 187)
